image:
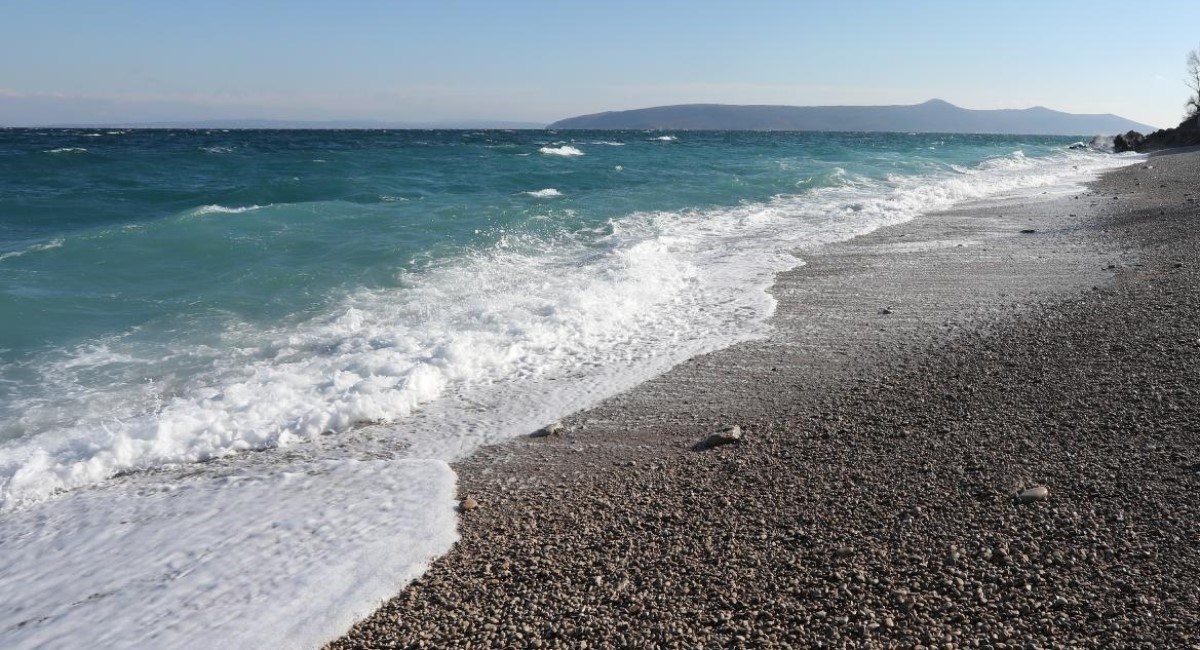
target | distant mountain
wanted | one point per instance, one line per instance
(302, 124)
(933, 116)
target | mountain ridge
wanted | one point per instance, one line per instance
(932, 116)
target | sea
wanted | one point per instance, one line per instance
(235, 364)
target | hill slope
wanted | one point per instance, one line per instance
(934, 116)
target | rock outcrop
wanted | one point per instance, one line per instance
(1187, 134)
(1129, 141)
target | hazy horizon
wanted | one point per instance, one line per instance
(269, 123)
(73, 62)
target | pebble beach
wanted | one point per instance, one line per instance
(975, 429)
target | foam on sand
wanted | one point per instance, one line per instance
(289, 559)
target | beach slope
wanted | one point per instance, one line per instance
(920, 383)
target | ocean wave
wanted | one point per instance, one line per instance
(217, 149)
(543, 194)
(564, 150)
(66, 150)
(665, 138)
(608, 143)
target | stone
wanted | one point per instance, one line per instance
(555, 429)
(1128, 141)
(1034, 494)
(468, 504)
(725, 436)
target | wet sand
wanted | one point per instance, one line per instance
(917, 380)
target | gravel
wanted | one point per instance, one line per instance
(876, 496)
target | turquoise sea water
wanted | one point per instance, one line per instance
(169, 296)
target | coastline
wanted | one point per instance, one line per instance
(873, 500)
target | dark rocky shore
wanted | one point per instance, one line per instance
(1187, 134)
(920, 379)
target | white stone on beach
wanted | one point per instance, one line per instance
(1034, 494)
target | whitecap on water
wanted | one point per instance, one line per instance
(564, 150)
(45, 246)
(221, 209)
(549, 192)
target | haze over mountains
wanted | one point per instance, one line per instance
(933, 116)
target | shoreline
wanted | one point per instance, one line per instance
(872, 501)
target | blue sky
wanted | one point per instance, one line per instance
(528, 60)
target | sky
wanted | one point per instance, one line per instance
(428, 61)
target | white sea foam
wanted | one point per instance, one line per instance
(564, 150)
(240, 558)
(44, 246)
(666, 138)
(217, 149)
(608, 143)
(544, 194)
(67, 150)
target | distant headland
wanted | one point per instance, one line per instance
(933, 116)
